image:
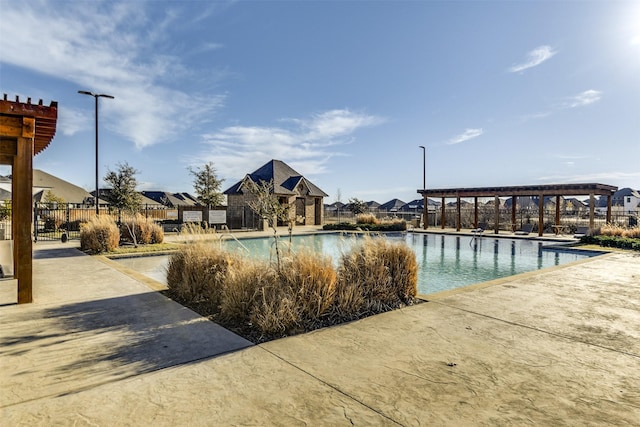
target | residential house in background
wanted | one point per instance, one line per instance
(305, 198)
(625, 200)
(72, 195)
(392, 205)
(171, 200)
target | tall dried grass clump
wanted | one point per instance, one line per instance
(146, 230)
(280, 301)
(99, 234)
(243, 285)
(196, 232)
(312, 279)
(367, 218)
(612, 230)
(301, 292)
(198, 272)
(375, 276)
(632, 233)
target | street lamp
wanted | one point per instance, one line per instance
(96, 96)
(424, 185)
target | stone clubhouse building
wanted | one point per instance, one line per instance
(293, 189)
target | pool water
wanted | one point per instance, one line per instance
(444, 261)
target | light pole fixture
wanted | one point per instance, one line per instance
(424, 167)
(424, 185)
(96, 96)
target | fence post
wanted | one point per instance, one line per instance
(35, 222)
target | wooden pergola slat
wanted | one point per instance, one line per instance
(25, 130)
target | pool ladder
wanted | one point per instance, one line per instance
(226, 235)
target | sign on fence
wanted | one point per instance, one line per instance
(191, 216)
(218, 217)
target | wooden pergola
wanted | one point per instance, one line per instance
(540, 191)
(25, 130)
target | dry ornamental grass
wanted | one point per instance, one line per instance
(261, 301)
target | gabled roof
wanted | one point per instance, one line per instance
(171, 200)
(392, 205)
(285, 180)
(625, 192)
(413, 205)
(144, 200)
(372, 204)
(69, 192)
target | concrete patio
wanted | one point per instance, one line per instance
(98, 347)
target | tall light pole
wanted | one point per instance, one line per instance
(96, 96)
(424, 185)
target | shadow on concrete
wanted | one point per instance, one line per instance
(55, 252)
(92, 342)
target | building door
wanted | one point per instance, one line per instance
(300, 210)
(318, 211)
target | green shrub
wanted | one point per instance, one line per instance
(99, 234)
(609, 241)
(395, 225)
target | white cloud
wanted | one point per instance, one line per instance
(306, 144)
(534, 58)
(465, 136)
(110, 48)
(583, 99)
(72, 121)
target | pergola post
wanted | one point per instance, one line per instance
(513, 213)
(21, 185)
(425, 212)
(557, 210)
(541, 214)
(442, 214)
(496, 225)
(458, 215)
(592, 209)
(475, 212)
(609, 198)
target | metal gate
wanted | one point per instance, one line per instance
(54, 222)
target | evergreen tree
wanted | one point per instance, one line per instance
(207, 185)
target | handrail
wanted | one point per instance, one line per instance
(229, 234)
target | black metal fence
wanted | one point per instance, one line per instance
(54, 222)
(486, 217)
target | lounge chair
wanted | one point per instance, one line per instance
(481, 227)
(524, 230)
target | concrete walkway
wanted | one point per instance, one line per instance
(97, 347)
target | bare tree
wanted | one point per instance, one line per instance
(268, 207)
(123, 195)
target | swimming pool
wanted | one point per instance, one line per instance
(445, 261)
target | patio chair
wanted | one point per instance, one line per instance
(524, 230)
(6, 258)
(481, 227)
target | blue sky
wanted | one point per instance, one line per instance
(345, 92)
